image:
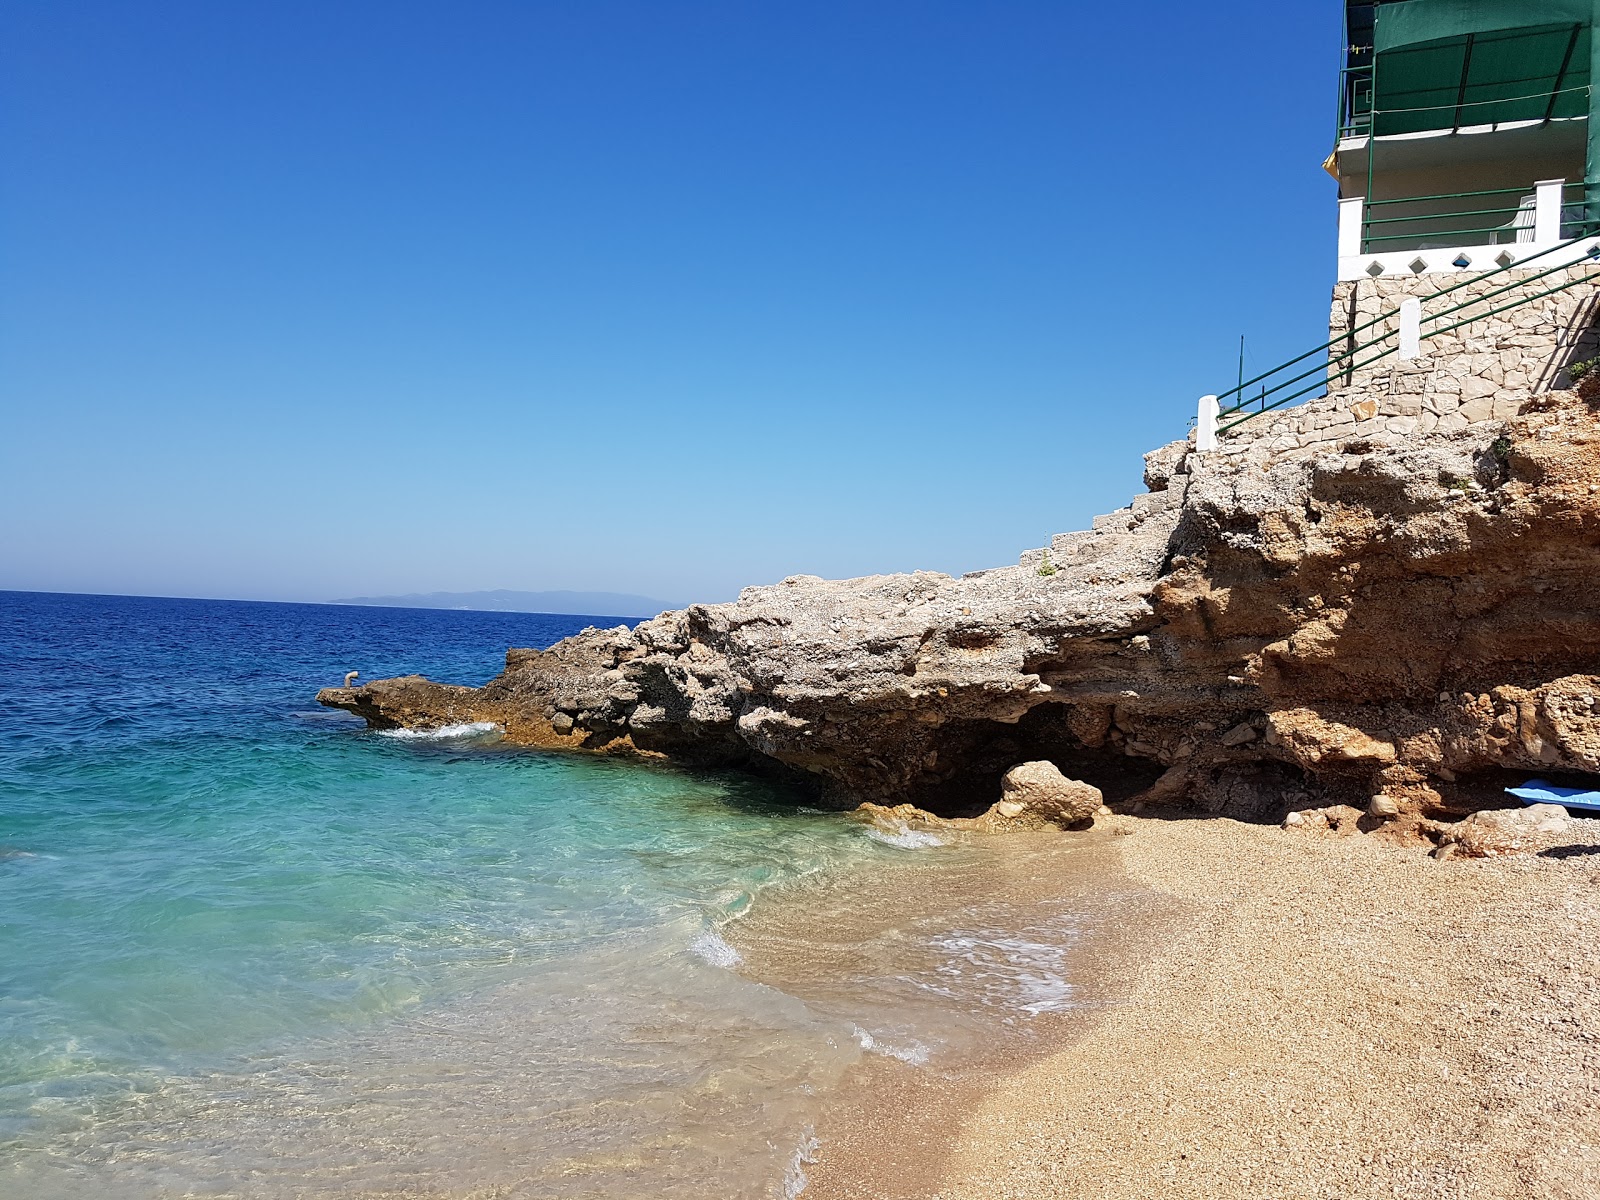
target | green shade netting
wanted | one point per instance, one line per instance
(1447, 63)
(1433, 20)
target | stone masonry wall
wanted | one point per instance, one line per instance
(1524, 350)
(1480, 372)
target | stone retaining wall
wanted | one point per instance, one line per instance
(1405, 403)
(1524, 350)
(1480, 372)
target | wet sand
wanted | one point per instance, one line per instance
(1264, 1013)
(872, 949)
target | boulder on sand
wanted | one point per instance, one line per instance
(1040, 788)
(1510, 830)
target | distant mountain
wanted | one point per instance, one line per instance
(583, 604)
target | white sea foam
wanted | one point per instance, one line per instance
(709, 945)
(443, 733)
(794, 1177)
(916, 1054)
(905, 838)
(1006, 971)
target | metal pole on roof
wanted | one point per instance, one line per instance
(1372, 132)
(1461, 91)
(1591, 165)
(1561, 75)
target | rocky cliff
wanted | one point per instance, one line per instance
(1384, 616)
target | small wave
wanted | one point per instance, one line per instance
(709, 945)
(794, 1176)
(443, 733)
(1007, 972)
(915, 1054)
(905, 838)
(737, 903)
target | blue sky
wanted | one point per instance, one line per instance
(309, 300)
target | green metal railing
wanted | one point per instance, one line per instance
(1506, 225)
(1355, 101)
(1236, 406)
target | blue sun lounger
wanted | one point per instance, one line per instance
(1537, 791)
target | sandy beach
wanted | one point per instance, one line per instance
(1281, 1015)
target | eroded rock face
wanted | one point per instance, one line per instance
(1397, 616)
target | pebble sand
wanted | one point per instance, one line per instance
(1296, 1015)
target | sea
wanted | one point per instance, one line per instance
(250, 949)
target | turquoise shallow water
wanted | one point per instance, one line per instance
(249, 948)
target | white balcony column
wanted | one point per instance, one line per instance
(1547, 211)
(1410, 328)
(1205, 426)
(1350, 215)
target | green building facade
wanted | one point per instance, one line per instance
(1465, 132)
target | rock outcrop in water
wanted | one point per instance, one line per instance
(1385, 617)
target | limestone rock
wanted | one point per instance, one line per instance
(1511, 830)
(1239, 735)
(900, 820)
(1373, 614)
(1161, 464)
(1313, 740)
(410, 702)
(1040, 787)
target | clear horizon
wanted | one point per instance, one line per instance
(301, 302)
(373, 601)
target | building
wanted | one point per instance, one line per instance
(1464, 132)
(1467, 154)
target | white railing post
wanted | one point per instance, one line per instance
(1351, 212)
(1547, 210)
(1410, 328)
(1205, 425)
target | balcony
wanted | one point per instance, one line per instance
(1459, 231)
(1458, 127)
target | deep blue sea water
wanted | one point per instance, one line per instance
(248, 948)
